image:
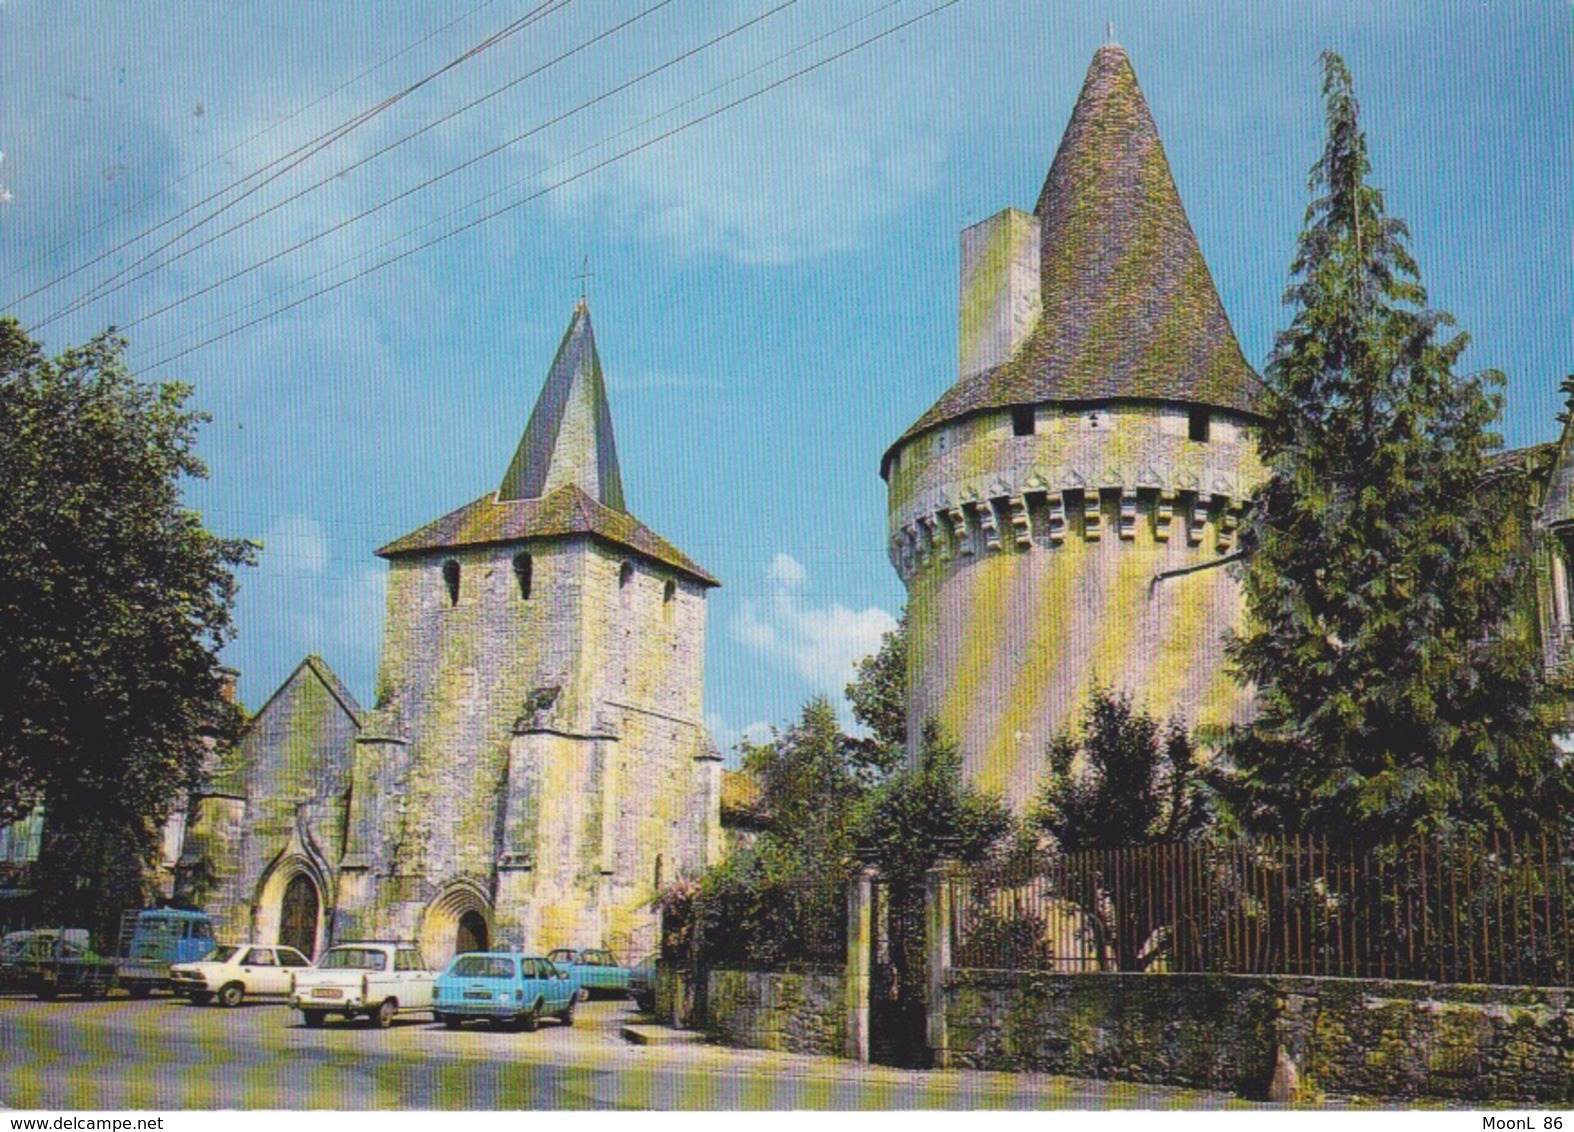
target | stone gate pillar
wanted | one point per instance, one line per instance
(937, 949)
(860, 948)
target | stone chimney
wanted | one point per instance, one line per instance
(999, 303)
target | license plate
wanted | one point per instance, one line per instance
(481, 994)
(327, 992)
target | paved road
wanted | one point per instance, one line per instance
(165, 1054)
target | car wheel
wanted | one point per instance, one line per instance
(449, 1021)
(231, 994)
(139, 990)
(530, 1019)
(584, 994)
(645, 1003)
(503, 1023)
(314, 1018)
(566, 1015)
(383, 1016)
(47, 992)
(201, 997)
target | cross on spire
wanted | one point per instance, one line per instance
(584, 274)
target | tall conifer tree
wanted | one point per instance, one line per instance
(1397, 693)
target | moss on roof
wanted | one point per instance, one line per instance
(1129, 307)
(567, 511)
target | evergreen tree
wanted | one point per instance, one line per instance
(1395, 693)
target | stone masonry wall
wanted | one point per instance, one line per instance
(1299, 1037)
(798, 1012)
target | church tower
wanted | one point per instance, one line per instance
(1056, 513)
(536, 765)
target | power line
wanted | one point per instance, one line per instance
(453, 212)
(268, 129)
(290, 160)
(690, 124)
(430, 181)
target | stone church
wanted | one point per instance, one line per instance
(1060, 516)
(535, 766)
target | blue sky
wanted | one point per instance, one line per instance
(774, 289)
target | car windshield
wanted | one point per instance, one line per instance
(354, 958)
(220, 955)
(483, 967)
(561, 955)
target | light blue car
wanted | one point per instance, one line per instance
(596, 969)
(506, 989)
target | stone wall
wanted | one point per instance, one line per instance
(1294, 1038)
(799, 1012)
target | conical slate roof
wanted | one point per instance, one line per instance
(569, 437)
(1129, 307)
(564, 477)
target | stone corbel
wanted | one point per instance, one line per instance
(937, 545)
(1229, 520)
(1199, 520)
(1128, 514)
(1092, 516)
(986, 522)
(1163, 515)
(1020, 529)
(959, 532)
(1057, 518)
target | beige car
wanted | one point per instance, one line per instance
(232, 974)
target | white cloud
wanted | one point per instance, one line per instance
(821, 643)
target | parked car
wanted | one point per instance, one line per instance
(596, 971)
(372, 978)
(642, 983)
(505, 989)
(231, 974)
(23, 953)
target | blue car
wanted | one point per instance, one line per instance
(596, 969)
(506, 989)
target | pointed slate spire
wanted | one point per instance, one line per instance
(1128, 307)
(569, 438)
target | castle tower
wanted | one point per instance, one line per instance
(1053, 514)
(536, 765)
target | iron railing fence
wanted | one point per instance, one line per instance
(1459, 910)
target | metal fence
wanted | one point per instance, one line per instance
(1458, 910)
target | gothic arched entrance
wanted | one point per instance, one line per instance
(472, 933)
(298, 914)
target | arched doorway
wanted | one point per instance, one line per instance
(472, 933)
(298, 915)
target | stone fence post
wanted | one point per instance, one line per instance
(860, 947)
(937, 949)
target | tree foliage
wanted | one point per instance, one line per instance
(878, 696)
(114, 602)
(1123, 781)
(1394, 695)
(919, 815)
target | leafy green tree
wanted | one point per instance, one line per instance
(878, 696)
(1394, 693)
(114, 603)
(1123, 781)
(919, 815)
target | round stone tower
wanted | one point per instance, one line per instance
(1057, 516)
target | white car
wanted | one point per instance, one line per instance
(230, 974)
(371, 978)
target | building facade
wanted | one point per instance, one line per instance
(535, 766)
